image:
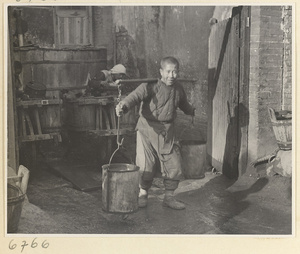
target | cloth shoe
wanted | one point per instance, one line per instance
(143, 201)
(171, 202)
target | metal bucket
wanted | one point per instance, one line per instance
(120, 188)
(193, 154)
(15, 199)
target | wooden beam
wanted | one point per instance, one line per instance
(32, 138)
(124, 82)
(112, 132)
(38, 102)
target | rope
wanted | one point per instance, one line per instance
(119, 143)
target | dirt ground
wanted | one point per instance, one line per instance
(254, 204)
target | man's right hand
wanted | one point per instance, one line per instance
(119, 109)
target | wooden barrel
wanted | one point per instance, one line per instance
(61, 67)
(80, 117)
(193, 154)
(50, 117)
(15, 199)
(129, 120)
(120, 188)
(282, 128)
(82, 114)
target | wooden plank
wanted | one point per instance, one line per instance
(61, 31)
(29, 124)
(72, 31)
(244, 89)
(23, 122)
(112, 132)
(12, 127)
(66, 31)
(97, 118)
(113, 116)
(81, 30)
(37, 120)
(39, 102)
(78, 35)
(85, 34)
(100, 101)
(20, 128)
(31, 138)
(68, 62)
(106, 119)
(100, 117)
(67, 13)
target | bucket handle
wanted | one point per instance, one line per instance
(119, 143)
(272, 114)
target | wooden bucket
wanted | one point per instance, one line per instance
(15, 200)
(193, 154)
(120, 188)
(282, 129)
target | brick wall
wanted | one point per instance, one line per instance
(287, 57)
(270, 74)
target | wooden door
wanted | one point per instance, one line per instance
(224, 134)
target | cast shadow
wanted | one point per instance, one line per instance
(240, 119)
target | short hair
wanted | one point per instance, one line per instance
(169, 60)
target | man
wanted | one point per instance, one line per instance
(156, 145)
(105, 79)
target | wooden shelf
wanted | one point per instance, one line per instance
(112, 132)
(38, 137)
(38, 102)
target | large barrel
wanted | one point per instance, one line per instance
(120, 188)
(57, 68)
(83, 113)
(193, 154)
(129, 119)
(50, 116)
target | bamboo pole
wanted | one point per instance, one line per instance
(125, 81)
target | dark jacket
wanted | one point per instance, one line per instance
(159, 101)
(158, 110)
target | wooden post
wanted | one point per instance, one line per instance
(12, 130)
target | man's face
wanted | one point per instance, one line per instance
(169, 73)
